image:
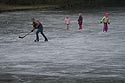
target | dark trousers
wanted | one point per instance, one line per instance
(67, 25)
(37, 34)
(105, 28)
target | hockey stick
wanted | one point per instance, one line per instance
(24, 35)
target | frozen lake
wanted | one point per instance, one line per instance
(70, 56)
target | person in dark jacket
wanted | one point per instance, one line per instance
(37, 25)
(80, 21)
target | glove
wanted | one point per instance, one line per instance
(100, 22)
(108, 23)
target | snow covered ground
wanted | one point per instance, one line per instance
(70, 56)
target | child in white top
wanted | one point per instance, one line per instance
(105, 20)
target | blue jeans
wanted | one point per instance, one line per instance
(40, 29)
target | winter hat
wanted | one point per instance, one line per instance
(106, 14)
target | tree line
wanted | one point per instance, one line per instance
(66, 3)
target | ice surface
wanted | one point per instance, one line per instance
(73, 53)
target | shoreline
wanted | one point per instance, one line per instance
(10, 8)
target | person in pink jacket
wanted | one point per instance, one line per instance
(105, 21)
(67, 22)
